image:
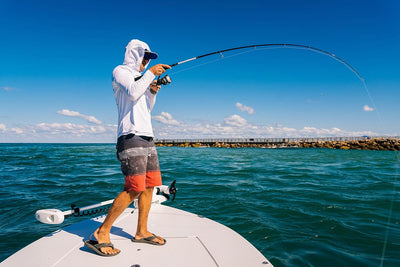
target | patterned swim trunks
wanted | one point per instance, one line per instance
(139, 162)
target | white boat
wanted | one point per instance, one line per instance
(192, 240)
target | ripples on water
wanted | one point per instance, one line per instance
(299, 207)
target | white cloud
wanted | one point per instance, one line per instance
(68, 128)
(235, 120)
(64, 128)
(166, 118)
(236, 127)
(59, 132)
(233, 126)
(71, 113)
(312, 131)
(17, 130)
(6, 88)
(367, 108)
(244, 108)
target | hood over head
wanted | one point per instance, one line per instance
(134, 54)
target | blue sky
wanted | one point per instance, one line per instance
(57, 58)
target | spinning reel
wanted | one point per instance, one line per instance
(164, 80)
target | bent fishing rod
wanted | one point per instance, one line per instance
(166, 79)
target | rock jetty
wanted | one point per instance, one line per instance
(362, 144)
(367, 144)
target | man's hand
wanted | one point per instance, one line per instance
(154, 87)
(159, 69)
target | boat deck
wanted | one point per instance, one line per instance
(192, 240)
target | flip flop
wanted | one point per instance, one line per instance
(149, 240)
(95, 246)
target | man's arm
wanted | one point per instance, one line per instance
(154, 88)
(133, 87)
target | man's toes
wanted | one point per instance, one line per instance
(105, 250)
(160, 240)
(109, 250)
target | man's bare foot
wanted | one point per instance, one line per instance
(104, 237)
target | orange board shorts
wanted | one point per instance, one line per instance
(139, 162)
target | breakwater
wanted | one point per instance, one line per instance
(356, 143)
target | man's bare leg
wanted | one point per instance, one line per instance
(121, 202)
(144, 209)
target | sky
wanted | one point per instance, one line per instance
(56, 60)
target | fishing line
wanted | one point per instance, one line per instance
(389, 219)
(317, 50)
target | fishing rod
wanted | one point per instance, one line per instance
(166, 79)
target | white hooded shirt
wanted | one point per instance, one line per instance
(134, 99)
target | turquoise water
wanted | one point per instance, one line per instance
(299, 207)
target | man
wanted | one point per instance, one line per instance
(135, 96)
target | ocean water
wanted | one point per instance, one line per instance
(299, 207)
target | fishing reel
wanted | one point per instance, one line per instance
(164, 80)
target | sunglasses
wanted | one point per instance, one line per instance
(147, 56)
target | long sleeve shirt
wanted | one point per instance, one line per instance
(134, 99)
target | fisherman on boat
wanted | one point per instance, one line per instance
(135, 93)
